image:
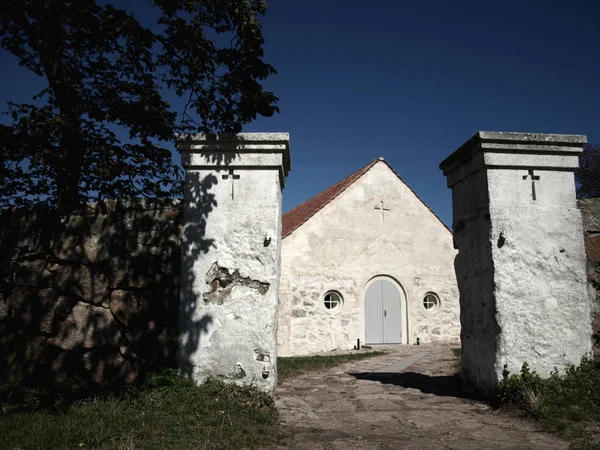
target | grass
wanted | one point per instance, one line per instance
(458, 364)
(566, 405)
(165, 412)
(296, 365)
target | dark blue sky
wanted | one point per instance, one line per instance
(412, 80)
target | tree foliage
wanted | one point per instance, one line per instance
(588, 175)
(101, 125)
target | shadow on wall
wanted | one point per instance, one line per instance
(94, 293)
(91, 294)
(200, 201)
(199, 204)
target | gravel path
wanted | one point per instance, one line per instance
(366, 406)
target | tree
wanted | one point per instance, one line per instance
(101, 125)
(587, 177)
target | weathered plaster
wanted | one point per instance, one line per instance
(345, 245)
(521, 265)
(231, 257)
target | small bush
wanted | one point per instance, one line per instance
(566, 404)
(521, 390)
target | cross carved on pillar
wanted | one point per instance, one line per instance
(534, 178)
(231, 177)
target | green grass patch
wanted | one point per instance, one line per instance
(165, 412)
(567, 405)
(296, 365)
(458, 364)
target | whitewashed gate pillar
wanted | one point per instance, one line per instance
(231, 256)
(521, 266)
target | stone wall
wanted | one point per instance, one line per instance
(96, 294)
(590, 212)
(92, 294)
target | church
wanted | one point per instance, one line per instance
(365, 259)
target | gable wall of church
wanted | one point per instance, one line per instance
(348, 243)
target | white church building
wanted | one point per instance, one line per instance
(365, 259)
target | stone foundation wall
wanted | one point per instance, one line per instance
(590, 212)
(93, 294)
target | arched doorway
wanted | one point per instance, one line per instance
(383, 313)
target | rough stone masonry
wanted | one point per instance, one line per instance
(91, 294)
(521, 266)
(231, 256)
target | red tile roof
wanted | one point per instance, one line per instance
(304, 211)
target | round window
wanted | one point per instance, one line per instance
(332, 300)
(431, 301)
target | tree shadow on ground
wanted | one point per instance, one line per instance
(442, 385)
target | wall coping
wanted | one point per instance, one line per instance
(497, 149)
(234, 150)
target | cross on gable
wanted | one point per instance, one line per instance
(383, 211)
(534, 178)
(231, 176)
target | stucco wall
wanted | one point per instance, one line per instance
(231, 256)
(344, 246)
(540, 284)
(92, 294)
(475, 274)
(515, 242)
(231, 267)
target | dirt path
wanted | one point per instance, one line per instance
(352, 406)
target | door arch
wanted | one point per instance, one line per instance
(385, 312)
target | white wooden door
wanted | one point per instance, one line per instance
(383, 315)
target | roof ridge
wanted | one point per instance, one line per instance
(348, 179)
(332, 186)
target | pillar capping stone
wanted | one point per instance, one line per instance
(240, 151)
(513, 150)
